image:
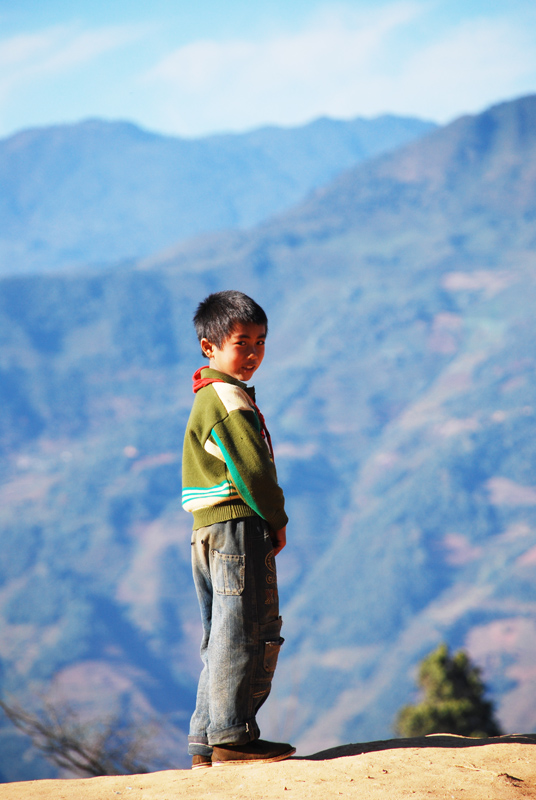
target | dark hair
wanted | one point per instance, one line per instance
(219, 313)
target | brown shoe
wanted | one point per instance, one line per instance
(257, 752)
(201, 761)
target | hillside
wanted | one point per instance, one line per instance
(399, 387)
(101, 192)
(408, 769)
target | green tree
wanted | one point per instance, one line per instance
(453, 699)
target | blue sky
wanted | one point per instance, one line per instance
(200, 67)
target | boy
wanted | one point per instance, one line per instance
(230, 486)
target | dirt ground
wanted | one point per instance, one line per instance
(439, 766)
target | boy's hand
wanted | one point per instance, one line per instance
(279, 539)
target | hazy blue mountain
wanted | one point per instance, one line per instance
(100, 192)
(399, 386)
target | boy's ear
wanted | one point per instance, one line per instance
(207, 348)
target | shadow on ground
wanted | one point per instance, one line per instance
(433, 740)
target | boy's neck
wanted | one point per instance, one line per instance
(221, 372)
(225, 374)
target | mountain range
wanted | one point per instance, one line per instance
(399, 388)
(102, 192)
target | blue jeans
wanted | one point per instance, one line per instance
(235, 579)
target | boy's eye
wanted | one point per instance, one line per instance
(243, 343)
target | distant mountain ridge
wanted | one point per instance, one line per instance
(483, 162)
(399, 387)
(101, 192)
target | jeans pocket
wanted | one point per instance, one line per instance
(271, 654)
(228, 573)
(269, 646)
(272, 642)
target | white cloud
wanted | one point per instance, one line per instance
(286, 78)
(470, 67)
(330, 44)
(21, 49)
(397, 56)
(32, 57)
(342, 65)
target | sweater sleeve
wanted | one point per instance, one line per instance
(251, 469)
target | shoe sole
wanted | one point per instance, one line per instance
(248, 761)
(201, 762)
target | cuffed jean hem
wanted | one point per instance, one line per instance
(237, 734)
(199, 746)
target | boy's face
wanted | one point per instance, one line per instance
(241, 354)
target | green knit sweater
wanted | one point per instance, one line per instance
(227, 467)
